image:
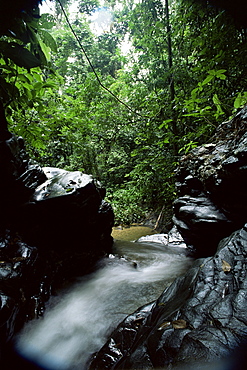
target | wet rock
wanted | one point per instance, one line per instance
(105, 223)
(121, 340)
(60, 183)
(20, 276)
(212, 183)
(172, 239)
(61, 211)
(155, 238)
(8, 314)
(175, 239)
(201, 223)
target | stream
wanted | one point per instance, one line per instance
(77, 322)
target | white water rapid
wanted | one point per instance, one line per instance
(77, 323)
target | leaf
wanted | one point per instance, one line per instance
(165, 124)
(238, 101)
(216, 100)
(19, 31)
(194, 94)
(164, 325)
(179, 324)
(220, 74)
(220, 71)
(20, 55)
(49, 85)
(8, 68)
(48, 40)
(38, 77)
(37, 85)
(24, 78)
(8, 90)
(226, 267)
(195, 114)
(207, 79)
(43, 52)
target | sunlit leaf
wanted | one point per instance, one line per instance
(48, 40)
(179, 324)
(226, 267)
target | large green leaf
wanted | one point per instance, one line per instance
(48, 40)
(19, 55)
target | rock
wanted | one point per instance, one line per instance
(155, 238)
(201, 223)
(175, 239)
(172, 239)
(64, 210)
(212, 183)
(20, 278)
(49, 207)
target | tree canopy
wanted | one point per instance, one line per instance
(122, 89)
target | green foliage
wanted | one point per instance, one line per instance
(88, 6)
(181, 94)
(240, 100)
(127, 205)
(24, 69)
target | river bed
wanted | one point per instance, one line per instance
(78, 321)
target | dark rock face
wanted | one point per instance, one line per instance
(54, 226)
(212, 183)
(200, 320)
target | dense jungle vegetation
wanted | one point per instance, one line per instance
(121, 89)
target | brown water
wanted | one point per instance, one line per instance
(131, 233)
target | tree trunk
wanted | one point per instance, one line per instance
(4, 133)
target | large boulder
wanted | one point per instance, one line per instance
(62, 211)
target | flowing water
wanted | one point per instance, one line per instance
(77, 322)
